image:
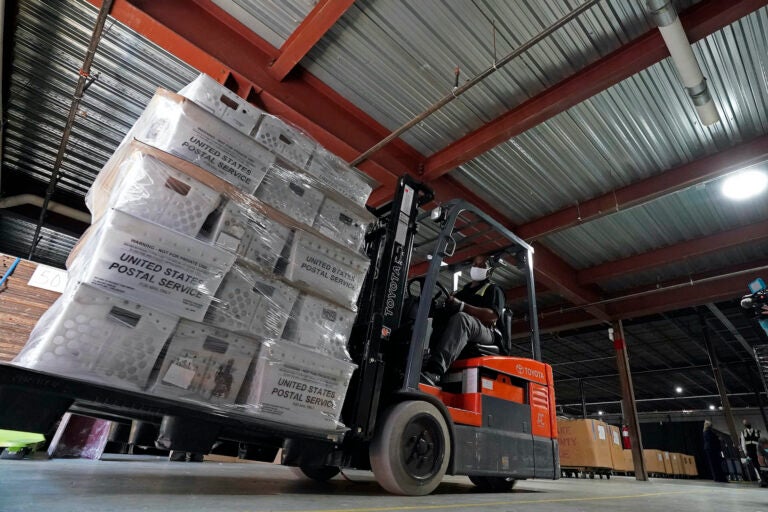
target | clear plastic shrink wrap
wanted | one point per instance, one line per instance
(290, 384)
(194, 283)
(178, 126)
(96, 336)
(205, 364)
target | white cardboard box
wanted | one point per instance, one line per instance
(341, 223)
(320, 326)
(331, 271)
(336, 174)
(178, 126)
(290, 193)
(151, 265)
(223, 103)
(156, 192)
(251, 302)
(205, 364)
(285, 141)
(95, 336)
(295, 386)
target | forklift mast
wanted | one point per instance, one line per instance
(389, 246)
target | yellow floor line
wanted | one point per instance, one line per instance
(490, 503)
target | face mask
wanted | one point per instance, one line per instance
(478, 273)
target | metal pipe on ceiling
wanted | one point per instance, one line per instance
(669, 399)
(469, 84)
(53, 206)
(82, 83)
(668, 22)
(663, 289)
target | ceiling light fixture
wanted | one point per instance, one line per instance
(678, 390)
(599, 413)
(745, 184)
(711, 407)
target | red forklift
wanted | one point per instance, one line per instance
(493, 419)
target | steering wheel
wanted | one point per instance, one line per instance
(442, 291)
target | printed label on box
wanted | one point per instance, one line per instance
(180, 374)
(154, 266)
(601, 432)
(49, 278)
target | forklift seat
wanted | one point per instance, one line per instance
(502, 345)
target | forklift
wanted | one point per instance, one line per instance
(493, 418)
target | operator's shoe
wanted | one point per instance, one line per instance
(430, 379)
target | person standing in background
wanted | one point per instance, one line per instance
(750, 438)
(713, 451)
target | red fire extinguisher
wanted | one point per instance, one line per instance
(626, 443)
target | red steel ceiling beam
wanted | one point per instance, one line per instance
(325, 14)
(699, 21)
(673, 253)
(713, 286)
(207, 38)
(649, 189)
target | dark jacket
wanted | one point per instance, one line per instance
(711, 441)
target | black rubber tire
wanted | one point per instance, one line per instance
(493, 483)
(403, 431)
(316, 473)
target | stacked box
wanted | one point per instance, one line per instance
(629, 461)
(689, 466)
(297, 386)
(149, 264)
(205, 364)
(95, 336)
(584, 443)
(201, 279)
(617, 450)
(654, 461)
(667, 463)
(336, 174)
(253, 303)
(250, 234)
(285, 141)
(223, 103)
(677, 464)
(178, 126)
(326, 268)
(320, 326)
(292, 193)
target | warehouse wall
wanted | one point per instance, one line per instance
(20, 306)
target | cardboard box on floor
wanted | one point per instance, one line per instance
(689, 465)
(654, 461)
(629, 461)
(667, 463)
(584, 443)
(677, 463)
(617, 450)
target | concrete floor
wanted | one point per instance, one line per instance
(155, 484)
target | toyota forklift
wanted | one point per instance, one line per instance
(493, 418)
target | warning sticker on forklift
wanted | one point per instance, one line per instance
(487, 384)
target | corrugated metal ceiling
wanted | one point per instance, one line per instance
(50, 42)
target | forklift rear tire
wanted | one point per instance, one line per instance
(493, 483)
(316, 473)
(411, 449)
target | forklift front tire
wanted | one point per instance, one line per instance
(316, 473)
(410, 452)
(493, 483)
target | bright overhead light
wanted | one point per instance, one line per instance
(745, 184)
(711, 407)
(599, 413)
(678, 390)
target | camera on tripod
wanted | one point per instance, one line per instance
(755, 301)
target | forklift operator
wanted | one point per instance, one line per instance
(469, 317)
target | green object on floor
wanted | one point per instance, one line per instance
(16, 439)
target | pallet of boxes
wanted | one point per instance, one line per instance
(654, 462)
(621, 459)
(585, 448)
(222, 268)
